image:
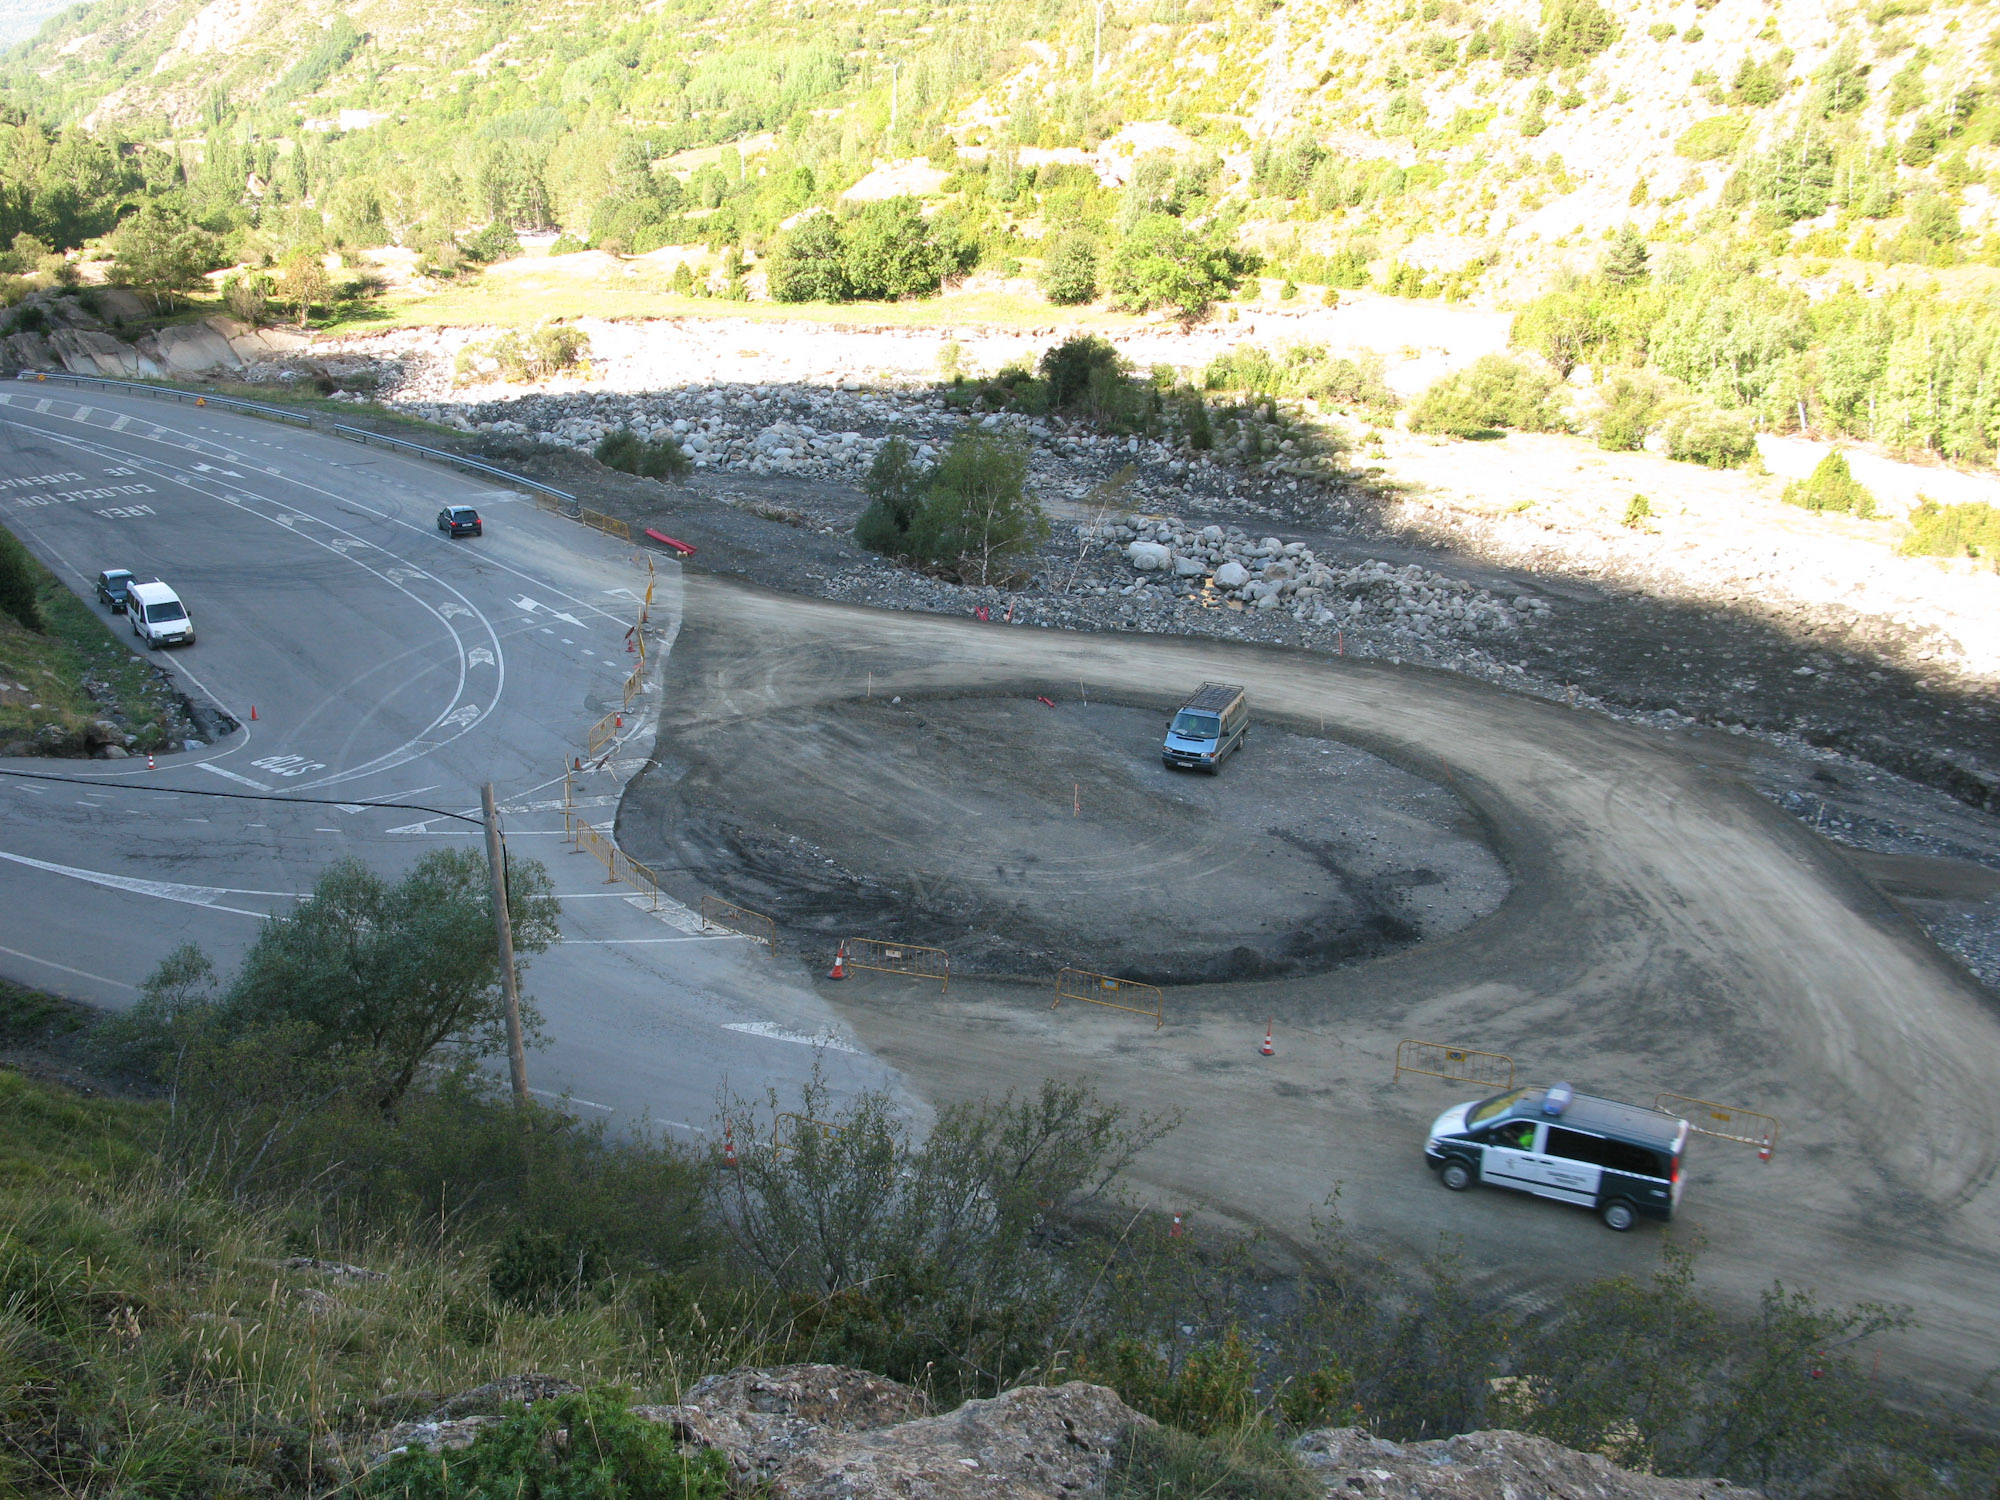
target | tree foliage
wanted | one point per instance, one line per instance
(1163, 262)
(158, 251)
(1069, 275)
(1831, 486)
(969, 515)
(1492, 393)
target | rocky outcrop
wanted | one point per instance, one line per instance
(1356, 1465)
(823, 1432)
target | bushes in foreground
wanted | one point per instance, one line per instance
(969, 516)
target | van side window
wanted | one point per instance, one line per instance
(1623, 1156)
(1576, 1146)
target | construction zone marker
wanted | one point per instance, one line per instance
(1267, 1049)
(839, 963)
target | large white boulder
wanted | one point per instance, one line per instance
(1150, 557)
(1231, 575)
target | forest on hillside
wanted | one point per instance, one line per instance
(1813, 260)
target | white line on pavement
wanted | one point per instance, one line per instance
(572, 1099)
(80, 973)
(164, 890)
(772, 1031)
(215, 770)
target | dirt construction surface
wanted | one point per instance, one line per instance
(1023, 837)
(1666, 929)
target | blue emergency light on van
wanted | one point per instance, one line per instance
(1207, 728)
(1558, 1099)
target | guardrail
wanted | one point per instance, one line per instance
(618, 865)
(340, 429)
(186, 398)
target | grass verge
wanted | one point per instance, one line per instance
(56, 684)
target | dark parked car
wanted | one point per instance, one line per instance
(460, 520)
(111, 586)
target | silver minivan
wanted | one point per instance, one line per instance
(1208, 728)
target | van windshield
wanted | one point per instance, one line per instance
(1196, 726)
(158, 612)
(1490, 1109)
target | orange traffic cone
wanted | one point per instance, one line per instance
(839, 963)
(1177, 1231)
(618, 721)
(1267, 1049)
(253, 713)
(728, 1147)
(1764, 1151)
(149, 760)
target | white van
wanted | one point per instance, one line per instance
(158, 617)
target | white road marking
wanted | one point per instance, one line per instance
(162, 890)
(630, 942)
(49, 963)
(673, 914)
(215, 770)
(776, 1033)
(572, 1099)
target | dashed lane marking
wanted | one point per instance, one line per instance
(772, 1031)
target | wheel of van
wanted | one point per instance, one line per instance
(1455, 1175)
(1619, 1215)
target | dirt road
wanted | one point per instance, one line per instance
(1666, 929)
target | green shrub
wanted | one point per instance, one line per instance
(17, 584)
(978, 522)
(567, 244)
(1493, 392)
(1084, 375)
(587, 1446)
(1712, 139)
(809, 266)
(1630, 404)
(1163, 1463)
(1699, 433)
(1069, 275)
(547, 1270)
(497, 241)
(895, 485)
(1953, 530)
(1638, 511)
(1831, 486)
(624, 450)
(1164, 263)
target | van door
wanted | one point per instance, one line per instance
(1571, 1166)
(1509, 1158)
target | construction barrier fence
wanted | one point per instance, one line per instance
(1116, 994)
(912, 959)
(716, 912)
(635, 683)
(1725, 1122)
(1460, 1064)
(597, 520)
(603, 732)
(618, 865)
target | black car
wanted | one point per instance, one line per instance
(111, 586)
(460, 520)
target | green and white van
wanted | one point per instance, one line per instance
(1622, 1160)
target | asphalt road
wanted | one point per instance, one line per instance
(1667, 929)
(386, 664)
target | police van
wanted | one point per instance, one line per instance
(1622, 1160)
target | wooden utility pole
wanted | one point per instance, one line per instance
(510, 987)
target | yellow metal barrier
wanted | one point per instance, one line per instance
(1723, 1121)
(618, 865)
(604, 731)
(597, 520)
(912, 959)
(547, 502)
(1115, 994)
(635, 682)
(716, 912)
(1460, 1064)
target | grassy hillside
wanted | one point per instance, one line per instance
(1780, 210)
